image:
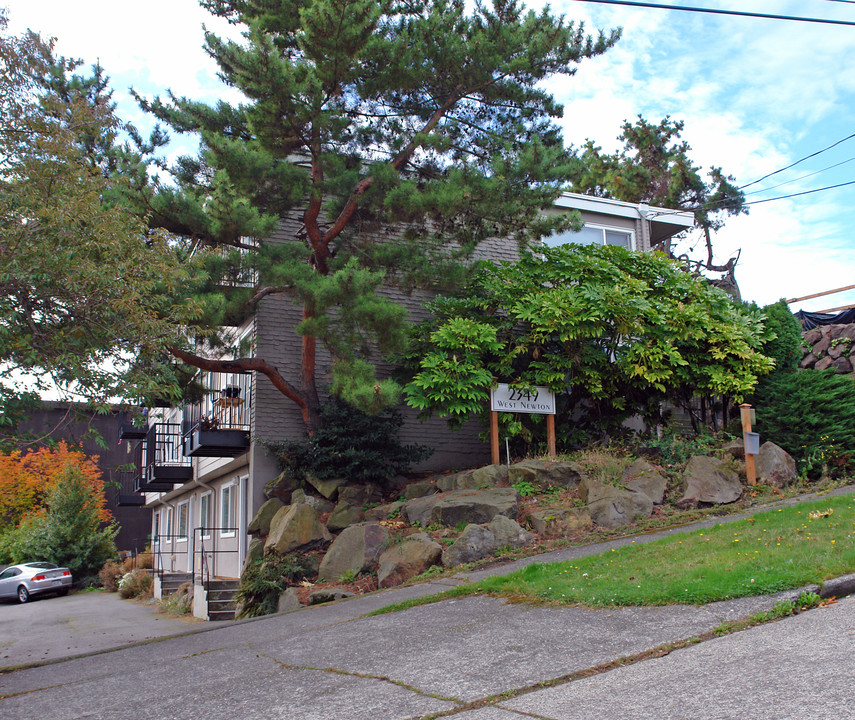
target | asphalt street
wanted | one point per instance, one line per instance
(473, 658)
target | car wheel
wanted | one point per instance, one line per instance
(23, 594)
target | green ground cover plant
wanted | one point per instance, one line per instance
(767, 553)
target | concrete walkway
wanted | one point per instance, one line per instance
(474, 658)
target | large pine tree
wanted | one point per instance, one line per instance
(396, 136)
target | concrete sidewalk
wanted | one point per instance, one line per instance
(474, 658)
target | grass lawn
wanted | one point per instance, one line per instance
(772, 551)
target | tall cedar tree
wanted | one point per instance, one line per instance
(397, 136)
(654, 166)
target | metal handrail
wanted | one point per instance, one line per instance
(157, 550)
(206, 555)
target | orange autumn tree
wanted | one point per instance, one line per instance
(27, 478)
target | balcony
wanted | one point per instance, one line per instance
(165, 463)
(220, 424)
(131, 428)
(127, 495)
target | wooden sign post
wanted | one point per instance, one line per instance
(745, 416)
(534, 401)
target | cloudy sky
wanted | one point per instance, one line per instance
(756, 95)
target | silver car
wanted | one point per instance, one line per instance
(28, 579)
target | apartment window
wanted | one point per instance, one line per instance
(227, 511)
(183, 511)
(168, 525)
(592, 235)
(156, 534)
(205, 516)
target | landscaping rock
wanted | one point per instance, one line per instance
(281, 487)
(775, 466)
(319, 504)
(410, 558)
(709, 480)
(296, 527)
(325, 595)
(508, 533)
(459, 481)
(361, 495)
(466, 506)
(327, 488)
(735, 448)
(382, 512)
(489, 476)
(547, 473)
(344, 515)
(288, 601)
(254, 552)
(260, 524)
(356, 550)
(474, 543)
(419, 489)
(643, 477)
(612, 507)
(561, 521)
(479, 541)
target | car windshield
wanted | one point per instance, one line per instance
(41, 565)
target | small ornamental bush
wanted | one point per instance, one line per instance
(351, 444)
(263, 582)
(110, 575)
(136, 583)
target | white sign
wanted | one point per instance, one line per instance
(536, 401)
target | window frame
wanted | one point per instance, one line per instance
(227, 509)
(183, 508)
(205, 507)
(594, 226)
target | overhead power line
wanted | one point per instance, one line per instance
(802, 177)
(715, 11)
(805, 192)
(797, 162)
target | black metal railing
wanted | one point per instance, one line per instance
(225, 405)
(165, 552)
(207, 548)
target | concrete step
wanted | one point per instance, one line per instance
(220, 597)
(221, 614)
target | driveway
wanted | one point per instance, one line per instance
(51, 628)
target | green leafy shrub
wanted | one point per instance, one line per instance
(351, 444)
(675, 447)
(786, 347)
(136, 583)
(263, 582)
(68, 533)
(810, 412)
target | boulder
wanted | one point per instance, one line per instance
(254, 552)
(824, 363)
(319, 504)
(508, 533)
(842, 365)
(295, 527)
(327, 488)
(808, 361)
(384, 512)
(612, 506)
(709, 480)
(822, 346)
(489, 476)
(282, 486)
(288, 601)
(466, 506)
(260, 524)
(560, 521)
(357, 549)
(458, 481)
(547, 473)
(480, 541)
(344, 515)
(325, 595)
(407, 559)
(474, 543)
(735, 448)
(361, 495)
(419, 489)
(811, 337)
(775, 466)
(643, 477)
